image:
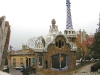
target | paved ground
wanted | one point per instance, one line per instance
(15, 72)
(85, 70)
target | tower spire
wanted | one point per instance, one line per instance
(98, 30)
(69, 19)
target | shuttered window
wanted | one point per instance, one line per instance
(33, 60)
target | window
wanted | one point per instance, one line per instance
(56, 44)
(59, 43)
(59, 61)
(21, 60)
(14, 61)
(55, 61)
(29, 62)
(26, 62)
(73, 39)
(69, 32)
(33, 60)
(46, 63)
(40, 60)
(62, 43)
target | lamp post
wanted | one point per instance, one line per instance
(83, 55)
(60, 61)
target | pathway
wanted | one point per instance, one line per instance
(85, 70)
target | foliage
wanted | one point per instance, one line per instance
(86, 50)
(95, 67)
(78, 54)
(87, 57)
(96, 45)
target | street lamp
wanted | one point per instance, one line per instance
(61, 59)
(83, 54)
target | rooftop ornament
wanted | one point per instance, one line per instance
(53, 23)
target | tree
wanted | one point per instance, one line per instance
(35, 41)
(96, 45)
(31, 42)
(78, 54)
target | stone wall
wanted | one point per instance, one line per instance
(51, 50)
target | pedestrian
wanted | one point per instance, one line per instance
(31, 69)
(26, 71)
(34, 69)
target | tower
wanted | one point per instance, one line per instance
(69, 19)
(53, 28)
(69, 32)
(98, 30)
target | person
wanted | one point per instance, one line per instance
(26, 71)
(31, 69)
(34, 69)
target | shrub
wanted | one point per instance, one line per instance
(87, 57)
(95, 67)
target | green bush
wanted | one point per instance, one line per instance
(87, 57)
(95, 67)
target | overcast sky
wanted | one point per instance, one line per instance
(32, 18)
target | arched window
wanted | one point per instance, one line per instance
(62, 43)
(59, 43)
(73, 39)
(46, 63)
(69, 32)
(59, 61)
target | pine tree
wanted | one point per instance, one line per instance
(96, 45)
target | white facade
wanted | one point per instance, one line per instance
(82, 34)
(41, 43)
